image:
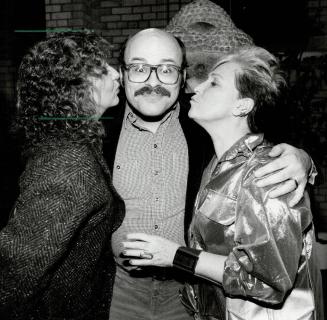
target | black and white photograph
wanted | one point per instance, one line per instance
(163, 160)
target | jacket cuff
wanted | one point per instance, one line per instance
(313, 173)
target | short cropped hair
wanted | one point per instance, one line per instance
(54, 100)
(259, 78)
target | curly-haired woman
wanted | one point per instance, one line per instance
(55, 252)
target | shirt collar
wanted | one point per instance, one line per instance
(130, 118)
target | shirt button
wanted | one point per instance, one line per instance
(118, 167)
(157, 199)
(156, 226)
(155, 145)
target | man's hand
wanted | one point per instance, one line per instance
(149, 250)
(290, 169)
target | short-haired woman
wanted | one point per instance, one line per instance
(256, 254)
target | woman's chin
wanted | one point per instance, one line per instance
(113, 103)
(191, 113)
(194, 117)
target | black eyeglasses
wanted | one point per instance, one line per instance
(141, 72)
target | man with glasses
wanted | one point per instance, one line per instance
(141, 72)
(157, 155)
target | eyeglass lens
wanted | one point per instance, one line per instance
(167, 74)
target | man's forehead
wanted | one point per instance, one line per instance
(158, 47)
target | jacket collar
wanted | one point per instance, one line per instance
(244, 146)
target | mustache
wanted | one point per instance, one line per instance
(148, 90)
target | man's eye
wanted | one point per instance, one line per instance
(167, 69)
(139, 69)
(214, 84)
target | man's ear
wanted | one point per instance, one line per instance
(183, 78)
(243, 107)
(121, 76)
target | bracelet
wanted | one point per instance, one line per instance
(186, 259)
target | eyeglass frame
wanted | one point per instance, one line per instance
(152, 67)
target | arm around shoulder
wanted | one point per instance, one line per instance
(292, 166)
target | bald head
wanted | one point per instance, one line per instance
(150, 48)
(152, 42)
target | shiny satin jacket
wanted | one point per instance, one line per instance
(268, 244)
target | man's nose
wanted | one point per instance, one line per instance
(153, 79)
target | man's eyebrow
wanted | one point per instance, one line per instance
(215, 74)
(138, 59)
(169, 61)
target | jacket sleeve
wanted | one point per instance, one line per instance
(268, 244)
(57, 197)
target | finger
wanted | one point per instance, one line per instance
(133, 253)
(282, 188)
(146, 255)
(270, 167)
(140, 245)
(141, 262)
(277, 177)
(277, 150)
(298, 194)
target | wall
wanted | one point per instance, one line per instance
(6, 60)
(9, 156)
(113, 19)
(317, 12)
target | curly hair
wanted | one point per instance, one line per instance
(54, 100)
(259, 78)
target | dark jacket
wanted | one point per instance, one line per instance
(55, 252)
(198, 141)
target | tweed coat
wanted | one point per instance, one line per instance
(55, 252)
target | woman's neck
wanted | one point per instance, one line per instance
(224, 135)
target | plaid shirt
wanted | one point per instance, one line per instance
(150, 173)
